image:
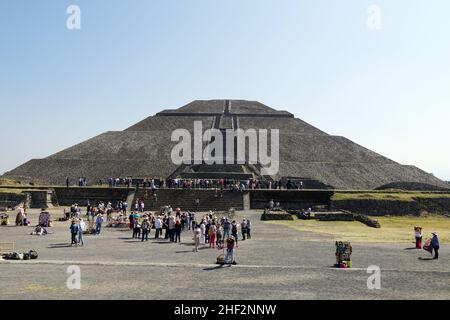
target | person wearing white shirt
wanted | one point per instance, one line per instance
(203, 232)
(81, 231)
(197, 237)
(158, 227)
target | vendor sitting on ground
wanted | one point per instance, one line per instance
(229, 257)
(21, 217)
(308, 213)
(39, 231)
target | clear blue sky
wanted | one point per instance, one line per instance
(388, 90)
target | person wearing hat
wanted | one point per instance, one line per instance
(435, 245)
(145, 226)
(136, 227)
(158, 227)
(98, 223)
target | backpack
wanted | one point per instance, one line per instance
(234, 229)
(33, 254)
(14, 256)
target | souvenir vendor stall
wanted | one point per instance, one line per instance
(4, 219)
(343, 254)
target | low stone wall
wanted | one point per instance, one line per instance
(43, 198)
(69, 196)
(11, 200)
(289, 199)
(373, 207)
(377, 207)
(276, 216)
(367, 220)
(434, 205)
(334, 216)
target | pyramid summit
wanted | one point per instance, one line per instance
(144, 151)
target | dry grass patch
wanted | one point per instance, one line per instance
(393, 229)
(398, 196)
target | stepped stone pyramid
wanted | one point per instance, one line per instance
(144, 151)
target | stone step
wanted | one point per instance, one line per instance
(186, 199)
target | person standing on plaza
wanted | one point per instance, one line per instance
(131, 220)
(207, 226)
(212, 235)
(73, 232)
(158, 227)
(219, 236)
(418, 235)
(166, 227)
(136, 228)
(192, 219)
(188, 221)
(178, 227)
(249, 229)
(226, 229)
(234, 231)
(136, 206)
(203, 232)
(98, 223)
(435, 245)
(81, 230)
(244, 229)
(145, 229)
(197, 236)
(171, 226)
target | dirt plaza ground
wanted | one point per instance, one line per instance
(279, 262)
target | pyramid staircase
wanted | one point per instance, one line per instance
(238, 172)
(186, 199)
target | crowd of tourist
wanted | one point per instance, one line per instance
(168, 224)
(179, 183)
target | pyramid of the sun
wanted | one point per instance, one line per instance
(144, 150)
